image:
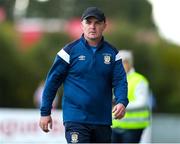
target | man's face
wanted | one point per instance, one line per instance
(126, 65)
(93, 28)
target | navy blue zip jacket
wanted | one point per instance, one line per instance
(88, 80)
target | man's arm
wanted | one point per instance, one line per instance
(120, 86)
(54, 79)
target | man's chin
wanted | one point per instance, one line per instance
(93, 38)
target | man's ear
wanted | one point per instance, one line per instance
(81, 25)
(105, 25)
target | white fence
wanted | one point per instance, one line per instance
(166, 128)
(21, 126)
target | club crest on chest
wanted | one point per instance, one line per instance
(107, 58)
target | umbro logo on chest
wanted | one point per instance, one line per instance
(82, 57)
(106, 58)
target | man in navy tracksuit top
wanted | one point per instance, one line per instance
(89, 68)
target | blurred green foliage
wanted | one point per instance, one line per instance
(22, 71)
(133, 29)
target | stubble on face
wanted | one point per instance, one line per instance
(93, 29)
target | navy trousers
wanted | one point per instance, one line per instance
(87, 133)
(126, 135)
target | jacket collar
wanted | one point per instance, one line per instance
(88, 46)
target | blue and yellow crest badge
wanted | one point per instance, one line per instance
(107, 59)
(74, 137)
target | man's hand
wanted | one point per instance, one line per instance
(119, 111)
(45, 123)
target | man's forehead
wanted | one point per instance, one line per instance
(92, 18)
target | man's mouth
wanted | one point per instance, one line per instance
(92, 32)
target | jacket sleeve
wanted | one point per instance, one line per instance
(54, 79)
(119, 82)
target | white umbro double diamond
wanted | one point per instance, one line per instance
(82, 57)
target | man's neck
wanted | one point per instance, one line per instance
(131, 70)
(93, 42)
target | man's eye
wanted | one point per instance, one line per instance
(88, 22)
(98, 22)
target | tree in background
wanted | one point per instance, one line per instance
(133, 29)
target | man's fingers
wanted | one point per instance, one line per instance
(120, 115)
(50, 125)
(44, 127)
(118, 112)
(115, 114)
(114, 109)
(41, 125)
(45, 123)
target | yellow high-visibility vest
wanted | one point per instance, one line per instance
(137, 118)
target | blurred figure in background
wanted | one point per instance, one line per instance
(137, 117)
(38, 96)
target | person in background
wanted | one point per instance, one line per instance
(89, 69)
(38, 96)
(130, 128)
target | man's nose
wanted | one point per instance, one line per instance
(92, 25)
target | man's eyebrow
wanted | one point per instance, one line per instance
(89, 20)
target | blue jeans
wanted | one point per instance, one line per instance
(87, 133)
(126, 135)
